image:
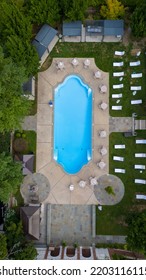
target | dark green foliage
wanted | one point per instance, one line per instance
(3, 246)
(28, 252)
(138, 20)
(136, 235)
(5, 142)
(10, 177)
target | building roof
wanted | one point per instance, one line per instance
(113, 27)
(28, 86)
(30, 216)
(43, 38)
(104, 27)
(72, 28)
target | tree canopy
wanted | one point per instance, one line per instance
(138, 20)
(136, 237)
(3, 247)
(10, 177)
(112, 10)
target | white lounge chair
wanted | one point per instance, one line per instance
(118, 74)
(138, 75)
(140, 196)
(119, 53)
(141, 141)
(118, 64)
(135, 88)
(118, 158)
(135, 102)
(119, 170)
(118, 86)
(119, 146)
(139, 166)
(116, 107)
(140, 155)
(134, 63)
(117, 95)
(140, 181)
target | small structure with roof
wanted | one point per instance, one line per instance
(29, 88)
(30, 216)
(72, 31)
(45, 41)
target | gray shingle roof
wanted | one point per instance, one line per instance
(46, 35)
(113, 27)
(72, 28)
(40, 48)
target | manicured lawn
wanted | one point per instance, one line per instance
(111, 219)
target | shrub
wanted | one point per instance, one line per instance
(109, 190)
(23, 135)
(18, 135)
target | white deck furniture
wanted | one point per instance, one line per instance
(119, 170)
(140, 155)
(140, 196)
(118, 74)
(119, 146)
(116, 107)
(141, 141)
(134, 63)
(140, 181)
(117, 95)
(119, 53)
(118, 158)
(138, 75)
(135, 88)
(118, 64)
(118, 86)
(139, 166)
(136, 102)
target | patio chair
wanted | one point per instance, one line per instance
(138, 75)
(140, 196)
(117, 95)
(139, 166)
(140, 181)
(118, 64)
(118, 74)
(135, 63)
(118, 158)
(119, 170)
(136, 102)
(135, 88)
(140, 141)
(118, 86)
(117, 108)
(119, 146)
(140, 155)
(119, 53)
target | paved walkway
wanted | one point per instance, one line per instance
(120, 124)
(110, 239)
(30, 123)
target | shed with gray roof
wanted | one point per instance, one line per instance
(45, 41)
(72, 31)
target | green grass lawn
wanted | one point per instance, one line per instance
(111, 219)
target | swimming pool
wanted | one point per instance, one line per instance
(72, 124)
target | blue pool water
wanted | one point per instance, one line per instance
(72, 124)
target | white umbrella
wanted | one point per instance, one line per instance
(97, 74)
(82, 184)
(60, 65)
(103, 151)
(87, 62)
(75, 62)
(102, 134)
(103, 88)
(103, 106)
(93, 181)
(101, 164)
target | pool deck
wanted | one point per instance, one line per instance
(45, 164)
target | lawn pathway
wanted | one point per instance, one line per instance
(120, 124)
(30, 123)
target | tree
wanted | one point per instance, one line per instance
(112, 10)
(14, 106)
(3, 246)
(28, 252)
(77, 10)
(138, 20)
(10, 177)
(136, 237)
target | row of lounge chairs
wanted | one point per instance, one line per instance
(119, 158)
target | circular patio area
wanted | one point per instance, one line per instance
(117, 186)
(35, 188)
